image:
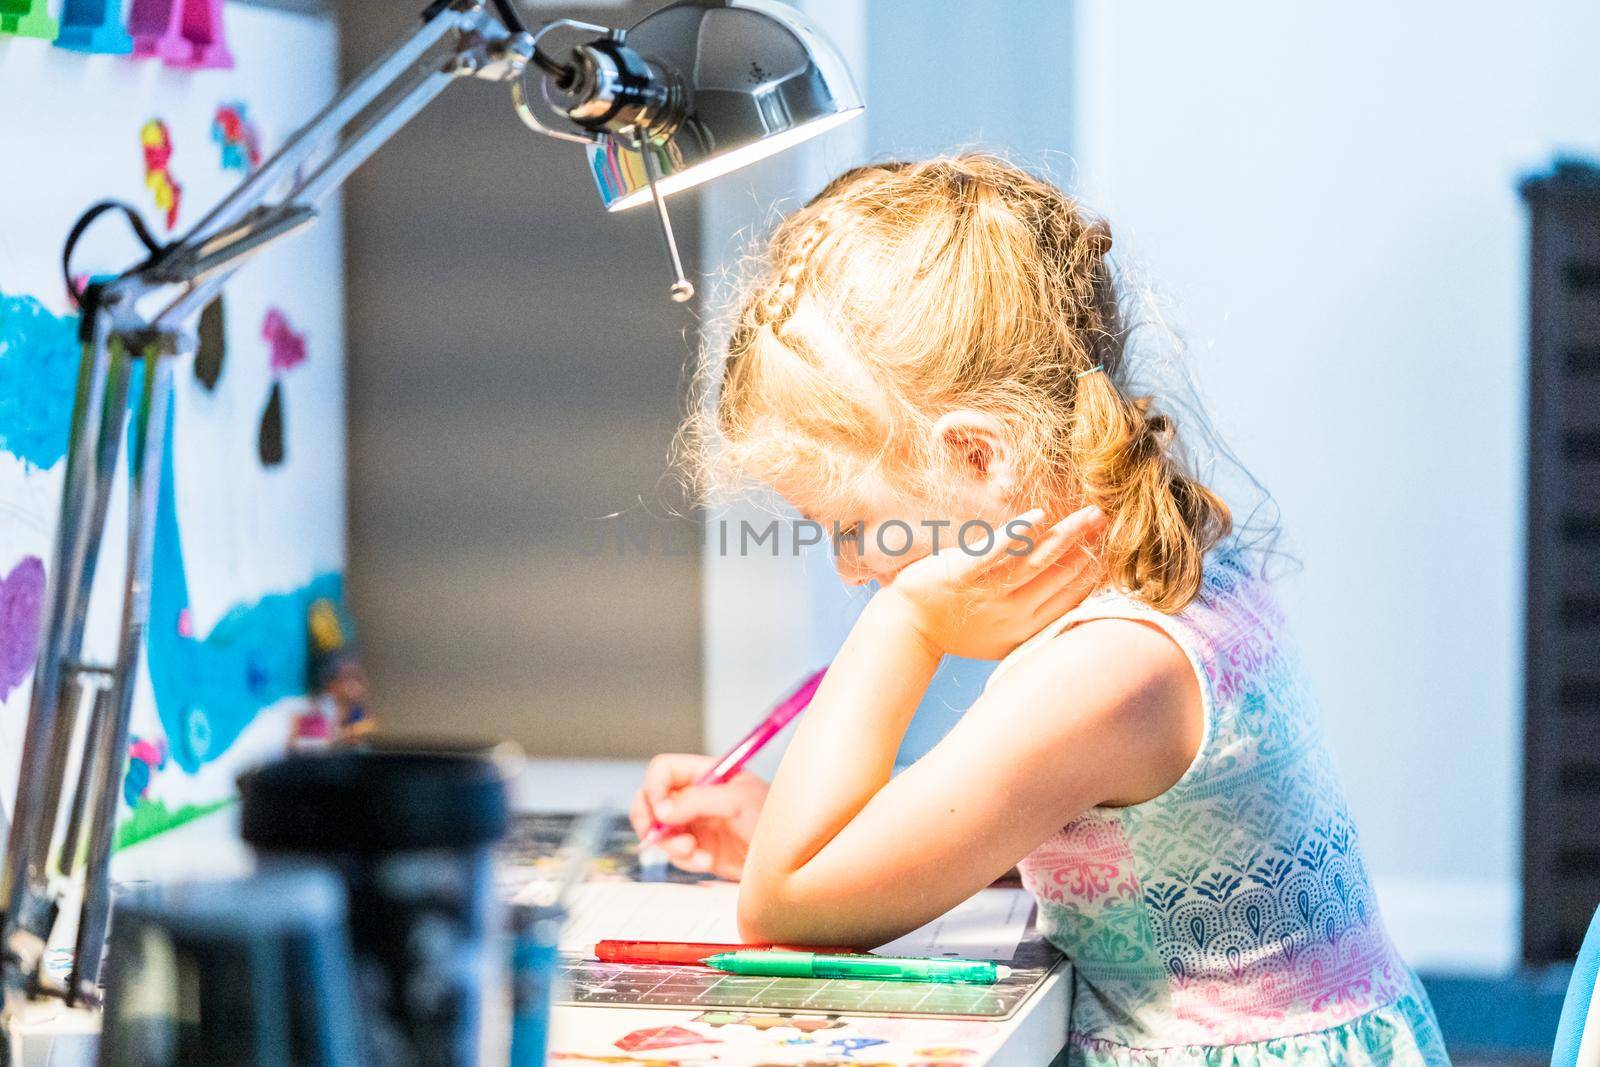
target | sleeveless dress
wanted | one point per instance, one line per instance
(1229, 921)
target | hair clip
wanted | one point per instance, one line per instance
(1092, 370)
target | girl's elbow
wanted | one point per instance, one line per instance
(761, 915)
(782, 915)
(774, 912)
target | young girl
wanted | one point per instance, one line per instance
(936, 350)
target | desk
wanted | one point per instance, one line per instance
(588, 1035)
(209, 847)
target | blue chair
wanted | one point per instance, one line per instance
(1580, 1007)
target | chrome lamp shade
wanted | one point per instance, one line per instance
(755, 78)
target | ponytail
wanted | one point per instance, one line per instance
(1160, 521)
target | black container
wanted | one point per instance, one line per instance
(411, 833)
(253, 972)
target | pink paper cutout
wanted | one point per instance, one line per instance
(288, 346)
(180, 33)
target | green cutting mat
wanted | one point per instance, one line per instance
(584, 981)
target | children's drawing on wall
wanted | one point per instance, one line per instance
(237, 138)
(38, 364)
(288, 351)
(146, 756)
(247, 627)
(164, 188)
(21, 597)
(338, 700)
(207, 688)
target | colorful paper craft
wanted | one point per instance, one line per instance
(27, 18)
(94, 26)
(288, 347)
(180, 33)
(157, 143)
(236, 135)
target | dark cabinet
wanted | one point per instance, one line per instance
(1561, 853)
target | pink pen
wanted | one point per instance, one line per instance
(752, 742)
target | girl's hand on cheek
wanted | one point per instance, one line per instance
(984, 605)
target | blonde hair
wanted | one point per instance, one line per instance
(907, 290)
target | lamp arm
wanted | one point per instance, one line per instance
(461, 39)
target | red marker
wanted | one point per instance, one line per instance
(675, 953)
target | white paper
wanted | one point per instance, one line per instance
(652, 911)
(986, 927)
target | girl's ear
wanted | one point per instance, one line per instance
(977, 446)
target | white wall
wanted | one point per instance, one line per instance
(769, 620)
(1328, 194)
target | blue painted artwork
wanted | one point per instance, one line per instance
(207, 689)
(39, 355)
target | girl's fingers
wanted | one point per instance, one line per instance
(680, 846)
(1072, 531)
(1048, 551)
(685, 852)
(639, 814)
(1058, 601)
(1016, 539)
(698, 802)
(672, 771)
(1069, 577)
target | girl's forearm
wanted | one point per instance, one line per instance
(843, 751)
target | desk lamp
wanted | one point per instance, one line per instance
(692, 91)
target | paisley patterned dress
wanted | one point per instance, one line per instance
(1229, 920)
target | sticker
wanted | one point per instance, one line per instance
(849, 1046)
(237, 137)
(662, 1037)
(157, 142)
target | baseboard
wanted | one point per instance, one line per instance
(1454, 925)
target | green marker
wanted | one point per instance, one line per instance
(776, 963)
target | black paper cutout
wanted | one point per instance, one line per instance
(208, 358)
(270, 439)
